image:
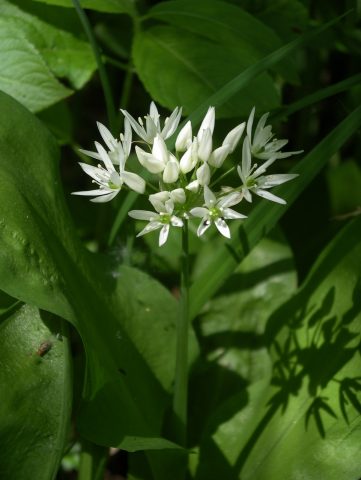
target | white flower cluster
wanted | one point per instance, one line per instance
(184, 177)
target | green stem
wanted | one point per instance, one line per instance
(93, 459)
(225, 174)
(181, 369)
(112, 118)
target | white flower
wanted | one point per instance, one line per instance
(190, 157)
(261, 145)
(171, 170)
(159, 199)
(153, 125)
(184, 138)
(217, 211)
(118, 150)
(207, 123)
(253, 179)
(108, 179)
(233, 137)
(162, 219)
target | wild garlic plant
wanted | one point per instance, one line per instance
(184, 175)
(184, 190)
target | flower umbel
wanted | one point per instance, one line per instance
(182, 178)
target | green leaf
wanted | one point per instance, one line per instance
(36, 394)
(238, 83)
(266, 214)
(306, 422)
(231, 328)
(227, 25)
(289, 18)
(115, 309)
(34, 53)
(177, 69)
(109, 6)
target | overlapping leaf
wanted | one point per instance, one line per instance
(116, 310)
(306, 423)
(34, 55)
(35, 393)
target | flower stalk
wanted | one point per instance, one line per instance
(181, 369)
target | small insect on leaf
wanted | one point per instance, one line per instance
(44, 348)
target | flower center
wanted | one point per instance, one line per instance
(164, 218)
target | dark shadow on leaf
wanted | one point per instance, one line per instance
(318, 406)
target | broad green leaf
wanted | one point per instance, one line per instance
(35, 393)
(239, 82)
(227, 25)
(109, 6)
(231, 328)
(34, 54)
(266, 214)
(176, 68)
(306, 423)
(289, 18)
(115, 309)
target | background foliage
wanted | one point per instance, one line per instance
(88, 313)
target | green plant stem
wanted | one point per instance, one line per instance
(93, 460)
(112, 118)
(181, 369)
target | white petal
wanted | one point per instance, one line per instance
(176, 221)
(262, 133)
(171, 171)
(208, 122)
(105, 157)
(150, 228)
(96, 173)
(158, 200)
(184, 138)
(159, 150)
(189, 158)
(135, 125)
(127, 142)
(205, 145)
(246, 158)
(169, 206)
(203, 174)
(218, 156)
(230, 214)
(209, 197)
(240, 173)
(262, 168)
(91, 154)
(93, 192)
(273, 180)
(108, 138)
(152, 164)
(178, 195)
(172, 123)
(269, 196)
(203, 226)
(250, 124)
(229, 200)
(193, 186)
(163, 235)
(134, 181)
(222, 227)
(105, 198)
(153, 112)
(234, 136)
(199, 212)
(143, 215)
